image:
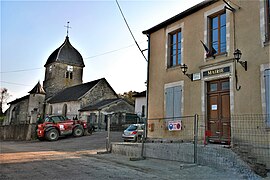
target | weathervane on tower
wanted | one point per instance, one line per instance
(67, 26)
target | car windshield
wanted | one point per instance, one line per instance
(62, 118)
(56, 118)
(132, 128)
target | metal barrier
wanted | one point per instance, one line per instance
(183, 129)
(186, 136)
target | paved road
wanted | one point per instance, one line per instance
(76, 158)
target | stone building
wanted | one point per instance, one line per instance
(64, 92)
(68, 101)
(25, 109)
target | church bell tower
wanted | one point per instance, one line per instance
(64, 68)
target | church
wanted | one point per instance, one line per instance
(64, 93)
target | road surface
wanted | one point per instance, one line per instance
(77, 158)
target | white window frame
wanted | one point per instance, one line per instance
(167, 52)
(206, 27)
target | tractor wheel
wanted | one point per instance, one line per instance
(52, 135)
(78, 131)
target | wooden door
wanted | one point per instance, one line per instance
(218, 119)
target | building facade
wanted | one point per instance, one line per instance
(193, 69)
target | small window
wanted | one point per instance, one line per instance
(217, 32)
(225, 85)
(67, 74)
(213, 87)
(175, 47)
(143, 110)
(70, 75)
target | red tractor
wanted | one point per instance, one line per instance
(54, 126)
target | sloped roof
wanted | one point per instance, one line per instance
(73, 93)
(140, 94)
(100, 104)
(38, 89)
(19, 99)
(67, 54)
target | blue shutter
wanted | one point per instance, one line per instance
(267, 94)
(169, 102)
(177, 101)
(173, 101)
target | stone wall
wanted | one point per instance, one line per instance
(18, 132)
(55, 78)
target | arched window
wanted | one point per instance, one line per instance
(64, 110)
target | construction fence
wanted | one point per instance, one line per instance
(247, 135)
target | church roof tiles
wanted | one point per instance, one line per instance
(74, 93)
(67, 54)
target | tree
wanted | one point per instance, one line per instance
(128, 96)
(4, 95)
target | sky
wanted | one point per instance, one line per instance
(32, 30)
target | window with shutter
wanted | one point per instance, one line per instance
(267, 95)
(173, 101)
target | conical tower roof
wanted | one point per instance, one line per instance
(67, 54)
(38, 89)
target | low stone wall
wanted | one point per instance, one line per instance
(18, 132)
(213, 156)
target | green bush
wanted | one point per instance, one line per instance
(2, 118)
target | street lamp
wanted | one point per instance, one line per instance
(184, 69)
(237, 55)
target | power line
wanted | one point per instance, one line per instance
(90, 57)
(21, 70)
(130, 30)
(14, 83)
(108, 52)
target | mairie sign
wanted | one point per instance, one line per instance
(175, 125)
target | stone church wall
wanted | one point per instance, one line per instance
(55, 79)
(58, 109)
(17, 113)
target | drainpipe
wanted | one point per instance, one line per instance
(147, 88)
(147, 95)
